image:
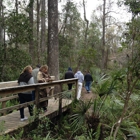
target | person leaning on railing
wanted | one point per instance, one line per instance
(25, 78)
(43, 77)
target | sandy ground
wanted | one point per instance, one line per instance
(87, 96)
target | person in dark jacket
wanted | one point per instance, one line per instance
(88, 80)
(25, 78)
(68, 75)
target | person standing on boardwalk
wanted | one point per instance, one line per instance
(80, 77)
(68, 75)
(25, 78)
(34, 74)
(43, 77)
(88, 80)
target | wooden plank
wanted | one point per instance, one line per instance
(15, 107)
(14, 90)
(47, 84)
(14, 118)
(20, 89)
(8, 98)
(8, 84)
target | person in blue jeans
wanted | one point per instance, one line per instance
(88, 80)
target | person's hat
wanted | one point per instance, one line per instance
(69, 69)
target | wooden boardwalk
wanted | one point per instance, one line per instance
(11, 122)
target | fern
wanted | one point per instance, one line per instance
(97, 135)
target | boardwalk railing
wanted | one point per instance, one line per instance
(10, 93)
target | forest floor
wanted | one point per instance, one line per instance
(87, 96)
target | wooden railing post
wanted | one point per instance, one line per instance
(37, 97)
(60, 101)
(3, 106)
(37, 102)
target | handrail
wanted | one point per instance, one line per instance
(12, 92)
(8, 84)
(17, 89)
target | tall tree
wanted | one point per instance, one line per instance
(16, 5)
(31, 42)
(107, 22)
(53, 46)
(87, 22)
(1, 30)
(133, 56)
(38, 38)
(103, 64)
(69, 39)
(43, 26)
(134, 8)
(2, 40)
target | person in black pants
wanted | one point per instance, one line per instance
(68, 75)
(25, 78)
(88, 80)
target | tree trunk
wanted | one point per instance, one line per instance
(31, 43)
(87, 23)
(53, 47)
(3, 44)
(130, 87)
(66, 17)
(103, 37)
(16, 5)
(43, 27)
(1, 29)
(38, 39)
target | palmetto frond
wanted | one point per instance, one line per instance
(78, 118)
(68, 94)
(103, 87)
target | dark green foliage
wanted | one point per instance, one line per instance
(134, 6)
(41, 130)
(66, 52)
(87, 55)
(18, 28)
(12, 65)
(78, 117)
(74, 125)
